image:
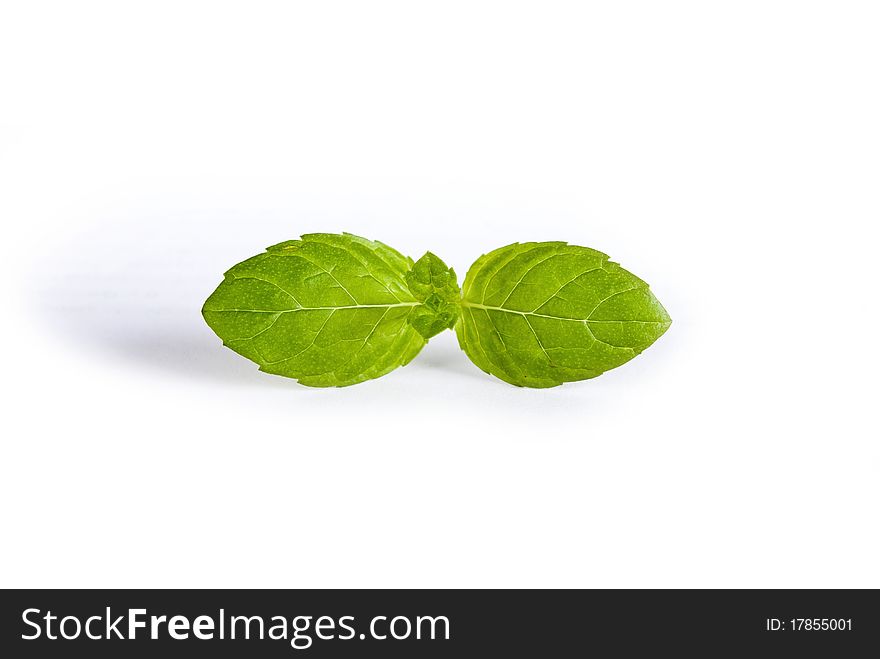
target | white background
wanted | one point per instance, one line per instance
(726, 152)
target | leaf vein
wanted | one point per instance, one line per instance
(556, 292)
(500, 268)
(601, 302)
(271, 283)
(528, 270)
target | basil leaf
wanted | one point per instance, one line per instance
(327, 310)
(541, 314)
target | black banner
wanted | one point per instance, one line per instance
(438, 623)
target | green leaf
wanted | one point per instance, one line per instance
(436, 285)
(541, 314)
(327, 310)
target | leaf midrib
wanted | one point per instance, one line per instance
(474, 305)
(349, 306)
